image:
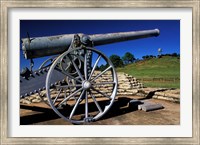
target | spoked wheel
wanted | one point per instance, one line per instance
(92, 90)
(47, 62)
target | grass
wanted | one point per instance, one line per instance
(166, 67)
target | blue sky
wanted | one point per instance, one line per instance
(168, 40)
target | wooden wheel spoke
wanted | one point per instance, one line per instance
(68, 86)
(54, 101)
(86, 104)
(102, 83)
(71, 95)
(77, 69)
(101, 73)
(67, 74)
(102, 93)
(85, 66)
(76, 105)
(94, 67)
(96, 103)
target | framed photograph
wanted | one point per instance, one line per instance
(79, 56)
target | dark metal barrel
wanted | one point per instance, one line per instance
(102, 39)
(46, 46)
(52, 45)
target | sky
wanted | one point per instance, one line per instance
(168, 40)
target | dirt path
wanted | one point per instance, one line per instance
(119, 114)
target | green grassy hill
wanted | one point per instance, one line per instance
(156, 72)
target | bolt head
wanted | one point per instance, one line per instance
(86, 85)
(85, 39)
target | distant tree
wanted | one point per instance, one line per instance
(143, 57)
(97, 67)
(147, 57)
(128, 58)
(116, 60)
(103, 67)
(178, 56)
(152, 56)
(174, 54)
(124, 60)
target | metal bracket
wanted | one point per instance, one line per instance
(31, 64)
(88, 119)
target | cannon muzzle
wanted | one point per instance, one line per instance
(52, 45)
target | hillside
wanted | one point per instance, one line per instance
(156, 72)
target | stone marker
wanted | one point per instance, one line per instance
(145, 105)
(145, 102)
(151, 107)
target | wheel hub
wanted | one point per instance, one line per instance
(86, 85)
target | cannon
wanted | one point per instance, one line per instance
(74, 85)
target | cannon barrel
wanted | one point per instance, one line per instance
(52, 45)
